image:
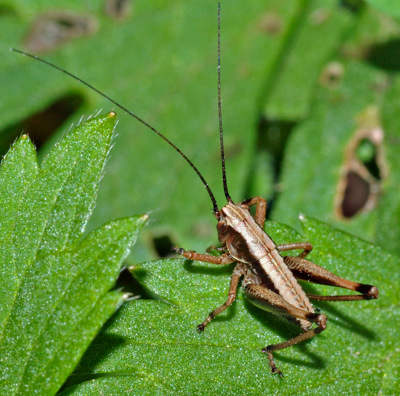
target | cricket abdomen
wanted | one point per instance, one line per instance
(283, 280)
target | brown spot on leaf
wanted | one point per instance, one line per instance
(271, 23)
(53, 29)
(332, 74)
(319, 16)
(118, 9)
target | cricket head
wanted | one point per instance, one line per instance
(229, 217)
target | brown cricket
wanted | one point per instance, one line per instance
(269, 280)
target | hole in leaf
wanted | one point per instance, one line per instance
(364, 167)
(163, 245)
(366, 153)
(118, 9)
(356, 194)
(42, 125)
(51, 30)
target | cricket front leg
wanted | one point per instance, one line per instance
(207, 258)
(268, 300)
(238, 272)
(309, 271)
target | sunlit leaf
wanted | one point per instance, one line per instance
(54, 284)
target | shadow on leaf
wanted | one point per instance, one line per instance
(207, 269)
(98, 352)
(386, 55)
(286, 330)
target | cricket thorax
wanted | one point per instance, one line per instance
(238, 227)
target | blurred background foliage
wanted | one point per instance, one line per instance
(311, 97)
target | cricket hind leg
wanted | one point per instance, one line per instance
(270, 301)
(309, 271)
(238, 272)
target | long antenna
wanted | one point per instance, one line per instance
(221, 134)
(203, 180)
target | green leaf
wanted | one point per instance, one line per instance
(54, 284)
(160, 62)
(316, 25)
(386, 6)
(152, 347)
(387, 231)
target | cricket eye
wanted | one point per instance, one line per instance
(222, 227)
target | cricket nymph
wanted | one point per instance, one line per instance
(246, 242)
